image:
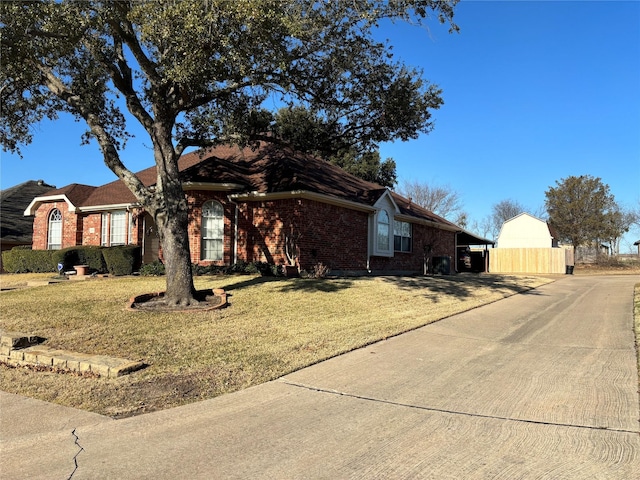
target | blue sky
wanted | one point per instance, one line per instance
(534, 92)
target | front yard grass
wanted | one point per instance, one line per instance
(272, 327)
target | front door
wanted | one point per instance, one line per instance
(151, 243)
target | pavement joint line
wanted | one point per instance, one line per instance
(454, 412)
(488, 340)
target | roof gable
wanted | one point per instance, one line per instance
(75, 195)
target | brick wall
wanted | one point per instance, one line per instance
(334, 236)
(92, 228)
(440, 242)
(77, 229)
(196, 200)
(71, 226)
(262, 227)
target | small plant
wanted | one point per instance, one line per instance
(319, 270)
(251, 268)
(153, 269)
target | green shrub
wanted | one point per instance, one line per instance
(81, 255)
(23, 259)
(200, 270)
(238, 267)
(251, 268)
(153, 269)
(265, 269)
(122, 260)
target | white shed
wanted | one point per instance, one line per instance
(525, 231)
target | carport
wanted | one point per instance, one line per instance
(472, 252)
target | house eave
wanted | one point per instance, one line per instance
(212, 187)
(36, 202)
(305, 194)
(428, 223)
(110, 207)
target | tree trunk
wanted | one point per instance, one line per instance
(172, 220)
(174, 239)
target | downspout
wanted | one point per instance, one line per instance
(144, 236)
(235, 230)
(370, 231)
(455, 253)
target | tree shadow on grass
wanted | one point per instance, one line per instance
(433, 288)
(327, 285)
(461, 286)
(250, 282)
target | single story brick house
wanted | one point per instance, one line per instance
(267, 204)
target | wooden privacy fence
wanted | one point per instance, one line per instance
(530, 260)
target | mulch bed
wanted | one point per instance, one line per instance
(155, 302)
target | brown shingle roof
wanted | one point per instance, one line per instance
(268, 169)
(77, 193)
(14, 226)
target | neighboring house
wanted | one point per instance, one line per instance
(269, 204)
(15, 228)
(592, 253)
(638, 245)
(526, 231)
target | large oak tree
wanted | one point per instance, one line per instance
(195, 72)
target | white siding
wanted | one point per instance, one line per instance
(525, 231)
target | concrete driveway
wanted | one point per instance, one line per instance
(541, 385)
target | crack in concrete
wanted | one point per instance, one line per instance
(454, 412)
(75, 457)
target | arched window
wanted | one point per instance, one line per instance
(383, 230)
(54, 236)
(212, 231)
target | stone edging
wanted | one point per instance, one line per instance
(18, 349)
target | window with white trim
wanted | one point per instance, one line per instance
(118, 228)
(54, 234)
(401, 236)
(212, 231)
(104, 231)
(115, 230)
(383, 226)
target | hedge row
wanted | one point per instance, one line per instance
(122, 260)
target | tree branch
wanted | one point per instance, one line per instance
(109, 151)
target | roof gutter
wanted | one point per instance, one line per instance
(428, 223)
(339, 202)
(111, 207)
(307, 195)
(212, 187)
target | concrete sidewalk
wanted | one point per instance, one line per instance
(539, 385)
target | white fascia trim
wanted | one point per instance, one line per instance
(36, 202)
(111, 207)
(388, 196)
(214, 187)
(318, 197)
(429, 223)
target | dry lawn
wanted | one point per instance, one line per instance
(272, 327)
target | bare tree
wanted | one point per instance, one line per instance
(441, 200)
